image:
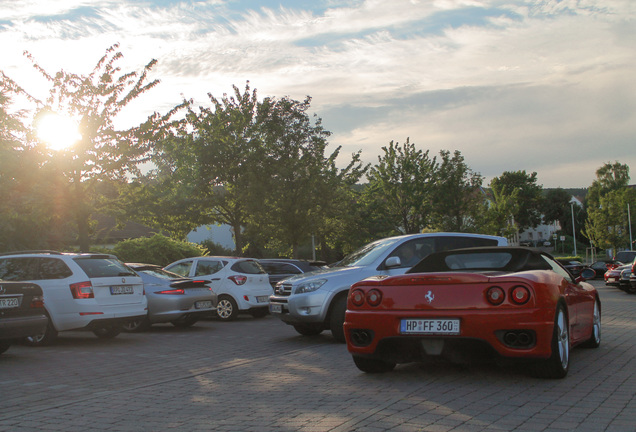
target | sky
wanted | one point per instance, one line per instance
(542, 86)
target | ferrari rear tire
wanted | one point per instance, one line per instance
(558, 364)
(595, 339)
(4, 345)
(371, 365)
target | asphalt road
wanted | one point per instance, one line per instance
(259, 375)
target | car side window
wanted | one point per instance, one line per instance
(182, 268)
(412, 252)
(18, 269)
(207, 267)
(459, 242)
(558, 269)
(53, 268)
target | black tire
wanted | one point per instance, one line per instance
(337, 318)
(4, 345)
(227, 309)
(595, 340)
(186, 322)
(107, 332)
(259, 312)
(43, 339)
(371, 365)
(558, 364)
(136, 326)
(308, 329)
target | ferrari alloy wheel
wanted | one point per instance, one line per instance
(371, 365)
(558, 364)
(595, 340)
(227, 309)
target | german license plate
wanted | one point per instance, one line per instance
(9, 302)
(203, 304)
(262, 299)
(429, 326)
(275, 308)
(122, 289)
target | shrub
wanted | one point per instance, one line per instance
(158, 250)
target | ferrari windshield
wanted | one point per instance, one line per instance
(367, 254)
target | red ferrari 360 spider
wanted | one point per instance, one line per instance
(508, 302)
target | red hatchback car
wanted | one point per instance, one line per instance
(509, 302)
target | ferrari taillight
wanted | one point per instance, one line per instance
(82, 290)
(374, 297)
(495, 295)
(520, 295)
(357, 297)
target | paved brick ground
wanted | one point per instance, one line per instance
(259, 375)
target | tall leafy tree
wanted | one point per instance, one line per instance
(296, 187)
(527, 194)
(459, 201)
(103, 151)
(607, 201)
(404, 181)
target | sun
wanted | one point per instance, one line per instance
(58, 131)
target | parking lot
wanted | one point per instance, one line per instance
(259, 375)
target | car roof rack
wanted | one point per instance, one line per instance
(27, 252)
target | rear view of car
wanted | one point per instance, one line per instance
(21, 312)
(241, 284)
(172, 298)
(93, 292)
(281, 268)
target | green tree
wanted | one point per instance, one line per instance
(459, 201)
(523, 189)
(296, 189)
(607, 200)
(607, 224)
(404, 181)
(103, 151)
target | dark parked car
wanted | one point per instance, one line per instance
(600, 267)
(281, 268)
(21, 312)
(574, 267)
(626, 257)
(623, 280)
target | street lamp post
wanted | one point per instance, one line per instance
(573, 229)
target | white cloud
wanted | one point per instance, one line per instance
(543, 86)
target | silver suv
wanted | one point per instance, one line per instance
(95, 292)
(316, 301)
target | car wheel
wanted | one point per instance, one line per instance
(595, 340)
(336, 320)
(43, 339)
(371, 365)
(137, 325)
(308, 329)
(558, 364)
(227, 309)
(185, 322)
(107, 332)
(4, 345)
(259, 313)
